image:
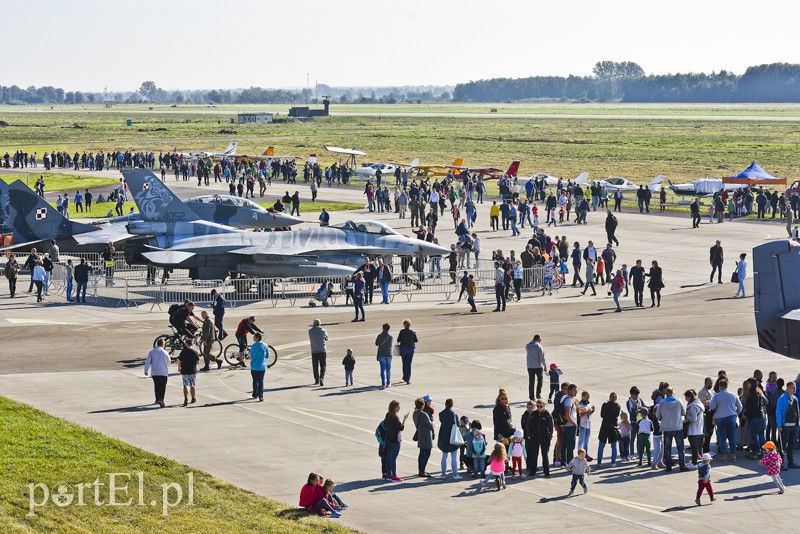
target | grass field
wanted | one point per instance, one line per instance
(38, 448)
(637, 149)
(61, 182)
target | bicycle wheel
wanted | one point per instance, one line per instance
(216, 348)
(173, 344)
(232, 354)
(162, 336)
(272, 358)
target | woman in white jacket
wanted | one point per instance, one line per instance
(741, 269)
(694, 417)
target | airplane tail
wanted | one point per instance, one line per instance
(581, 179)
(155, 201)
(3, 203)
(414, 163)
(655, 182)
(458, 162)
(231, 150)
(513, 168)
(32, 219)
(270, 151)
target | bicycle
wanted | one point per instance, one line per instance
(232, 355)
(175, 342)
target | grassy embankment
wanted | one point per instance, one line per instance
(38, 448)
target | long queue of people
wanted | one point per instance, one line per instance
(760, 419)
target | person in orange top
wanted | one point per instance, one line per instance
(599, 272)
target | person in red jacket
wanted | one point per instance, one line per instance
(312, 496)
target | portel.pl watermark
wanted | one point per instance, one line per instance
(112, 489)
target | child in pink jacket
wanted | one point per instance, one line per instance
(772, 461)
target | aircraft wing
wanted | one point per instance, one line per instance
(475, 169)
(167, 257)
(20, 245)
(287, 252)
(348, 151)
(104, 235)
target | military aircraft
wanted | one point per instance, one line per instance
(173, 236)
(615, 183)
(32, 220)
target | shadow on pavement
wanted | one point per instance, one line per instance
(351, 391)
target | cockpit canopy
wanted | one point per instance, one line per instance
(227, 200)
(369, 227)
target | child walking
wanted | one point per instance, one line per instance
(517, 449)
(772, 461)
(497, 466)
(349, 363)
(580, 469)
(554, 373)
(704, 479)
(643, 436)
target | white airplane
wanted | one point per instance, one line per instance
(387, 169)
(197, 154)
(615, 183)
(703, 187)
(552, 180)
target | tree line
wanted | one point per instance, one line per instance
(627, 82)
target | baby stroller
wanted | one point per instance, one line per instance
(322, 295)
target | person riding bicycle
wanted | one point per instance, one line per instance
(245, 325)
(180, 317)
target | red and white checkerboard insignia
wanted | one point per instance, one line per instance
(41, 213)
(146, 185)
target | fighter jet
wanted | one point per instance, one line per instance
(173, 236)
(228, 210)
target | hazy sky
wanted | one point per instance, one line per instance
(179, 44)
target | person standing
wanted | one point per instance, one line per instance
(499, 287)
(318, 337)
(425, 433)
(218, 307)
(447, 421)
(157, 363)
(384, 278)
(787, 419)
(82, 279)
(569, 429)
(393, 427)
(741, 271)
(716, 259)
(694, 207)
(407, 339)
(609, 417)
(187, 367)
(539, 429)
(38, 276)
(258, 365)
(11, 271)
(694, 429)
(384, 344)
(69, 273)
(358, 296)
(30, 263)
(534, 355)
(670, 413)
(726, 407)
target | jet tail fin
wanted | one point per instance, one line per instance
(414, 163)
(581, 179)
(3, 203)
(155, 201)
(33, 219)
(513, 168)
(655, 182)
(231, 150)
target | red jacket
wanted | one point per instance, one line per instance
(307, 498)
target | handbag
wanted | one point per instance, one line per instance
(616, 434)
(455, 436)
(735, 277)
(396, 350)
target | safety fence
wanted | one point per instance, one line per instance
(275, 292)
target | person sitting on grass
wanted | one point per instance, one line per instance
(312, 497)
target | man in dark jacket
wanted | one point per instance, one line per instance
(218, 307)
(82, 279)
(611, 228)
(694, 207)
(369, 280)
(716, 258)
(539, 432)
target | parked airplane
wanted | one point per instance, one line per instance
(173, 236)
(489, 173)
(203, 154)
(615, 183)
(552, 180)
(387, 169)
(703, 187)
(438, 170)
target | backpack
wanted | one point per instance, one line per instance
(478, 447)
(174, 308)
(380, 433)
(559, 415)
